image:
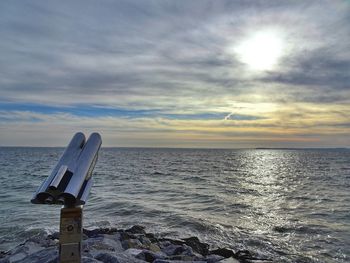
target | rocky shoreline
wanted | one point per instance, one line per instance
(133, 245)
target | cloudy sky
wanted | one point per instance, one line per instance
(176, 73)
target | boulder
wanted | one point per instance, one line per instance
(150, 256)
(154, 248)
(172, 250)
(106, 258)
(132, 243)
(136, 230)
(176, 261)
(99, 231)
(197, 246)
(48, 255)
(224, 252)
(89, 260)
(214, 258)
(229, 260)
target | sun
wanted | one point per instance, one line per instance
(261, 50)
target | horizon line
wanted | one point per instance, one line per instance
(194, 148)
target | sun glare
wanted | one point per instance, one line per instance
(261, 51)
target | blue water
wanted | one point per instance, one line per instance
(288, 205)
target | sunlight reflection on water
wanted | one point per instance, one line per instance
(290, 205)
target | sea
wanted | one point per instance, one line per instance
(288, 205)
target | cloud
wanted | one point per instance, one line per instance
(317, 69)
(303, 123)
(234, 116)
(154, 62)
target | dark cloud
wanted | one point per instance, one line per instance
(144, 48)
(171, 56)
(319, 68)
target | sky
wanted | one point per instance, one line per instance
(207, 74)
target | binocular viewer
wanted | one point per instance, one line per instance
(70, 181)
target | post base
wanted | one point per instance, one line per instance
(71, 223)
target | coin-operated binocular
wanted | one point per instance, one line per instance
(70, 181)
(69, 185)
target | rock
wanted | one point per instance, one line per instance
(246, 256)
(182, 258)
(89, 260)
(136, 230)
(145, 241)
(113, 241)
(132, 243)
(171, 241)
(23, 251)
(176, 261)
(146, 256)
(243, 253)
(133, 251)
(99, 243)
(54, 236)
(187, 250)
(43, 241)
(91, 233)
(154, 248)
(129, 246)
(49, 255)
(173, 250)
(229, 260)
(197, 246)
(106, 258)
(150, 256)
(124, 235)
(163, 244)
(152, 237)
(213, 258)
(260, 261)
(99, 231)
(224, 252)
(127, 258)
(180, 253)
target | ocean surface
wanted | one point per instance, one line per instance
(287, 205)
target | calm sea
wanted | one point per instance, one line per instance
(288, 205)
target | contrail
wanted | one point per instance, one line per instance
(228, 116)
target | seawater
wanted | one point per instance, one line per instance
(287, 205)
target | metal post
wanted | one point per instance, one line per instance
(69, 184)
(71, 223)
